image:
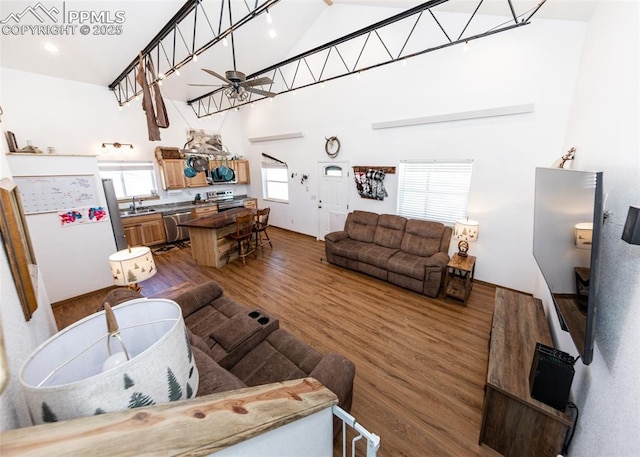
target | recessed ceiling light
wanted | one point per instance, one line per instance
(52, 48)
(272, 33)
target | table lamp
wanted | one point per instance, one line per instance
(131, 266)
(465, 231)
(140, 358)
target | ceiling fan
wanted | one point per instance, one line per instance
(237, 87)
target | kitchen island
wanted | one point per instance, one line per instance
(210, 246)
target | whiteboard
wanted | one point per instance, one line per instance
(47, 194)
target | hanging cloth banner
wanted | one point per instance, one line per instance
(370, 184)
(147, 102)
(162, 119)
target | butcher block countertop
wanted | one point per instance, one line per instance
(217, 220)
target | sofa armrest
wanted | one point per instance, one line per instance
(336, 373)
(334, 237)
(194, 298)
(438, 260)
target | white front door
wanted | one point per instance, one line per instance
(333, 196)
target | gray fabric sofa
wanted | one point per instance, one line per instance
(236, 347)
(410, 253)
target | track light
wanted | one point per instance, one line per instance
(195, 57)
(225, 42)
(269, 18)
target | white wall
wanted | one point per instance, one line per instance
(603, 127)
(535, 64)
(76, 118)
(20, 337)
(311, 436)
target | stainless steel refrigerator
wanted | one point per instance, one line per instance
(114, 214)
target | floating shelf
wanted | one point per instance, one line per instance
(465, 115)
(283, 136)
(364, 169)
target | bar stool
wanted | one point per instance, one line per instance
(243, 234)
(260, 228)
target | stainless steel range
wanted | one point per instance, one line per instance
(220, 195)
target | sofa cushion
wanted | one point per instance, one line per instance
(231, 333)
(422, 238)
(361, 226)
(349, 248)
(408, 265)
(278, 358)
(389, 231)
(210, 316)
(375, 255)
(212, 377)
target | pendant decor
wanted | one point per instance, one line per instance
(332, 146)
(370, 181)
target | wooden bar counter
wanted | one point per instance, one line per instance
(210, 246)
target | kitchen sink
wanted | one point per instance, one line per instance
(138, 211)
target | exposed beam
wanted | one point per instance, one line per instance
(172, 36)
(286, 74)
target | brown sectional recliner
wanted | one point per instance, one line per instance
(236, 347)
(410, 253)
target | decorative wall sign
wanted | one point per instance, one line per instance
(17, 244)
(82, 216)
(49, 194)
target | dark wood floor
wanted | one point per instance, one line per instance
(420, 362)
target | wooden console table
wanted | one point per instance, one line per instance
(513, 423)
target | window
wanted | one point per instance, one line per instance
(436, 190)
(130, 178)
(275, 182)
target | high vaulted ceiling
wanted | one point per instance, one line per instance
(100, 55)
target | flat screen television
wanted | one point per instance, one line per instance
(567, 255)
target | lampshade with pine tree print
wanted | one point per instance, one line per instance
(64, 377)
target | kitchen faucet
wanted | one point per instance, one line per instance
(132, 207)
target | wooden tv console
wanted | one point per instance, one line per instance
(513, 423)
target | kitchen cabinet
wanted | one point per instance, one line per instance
(199, 180)
(203, 211)
(146, 230)
(250, 203)
(172, 171)
(241, 167)
(173, 177)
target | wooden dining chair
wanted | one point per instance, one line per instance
(260, 228)
(243, 235)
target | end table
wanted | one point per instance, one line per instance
(459, 276)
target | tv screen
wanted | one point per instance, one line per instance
(567, 229)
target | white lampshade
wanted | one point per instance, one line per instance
(584, 235)
(132, 265)
(64, 377)
(466, 230)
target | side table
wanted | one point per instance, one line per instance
(459, 276)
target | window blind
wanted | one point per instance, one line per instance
(436, 190)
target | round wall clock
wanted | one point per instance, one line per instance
(332, 146)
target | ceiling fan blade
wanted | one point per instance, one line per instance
(261, 92)
(213, 73)
(257, 82)
(207, 85)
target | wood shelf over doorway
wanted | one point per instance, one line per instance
(364, 169)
